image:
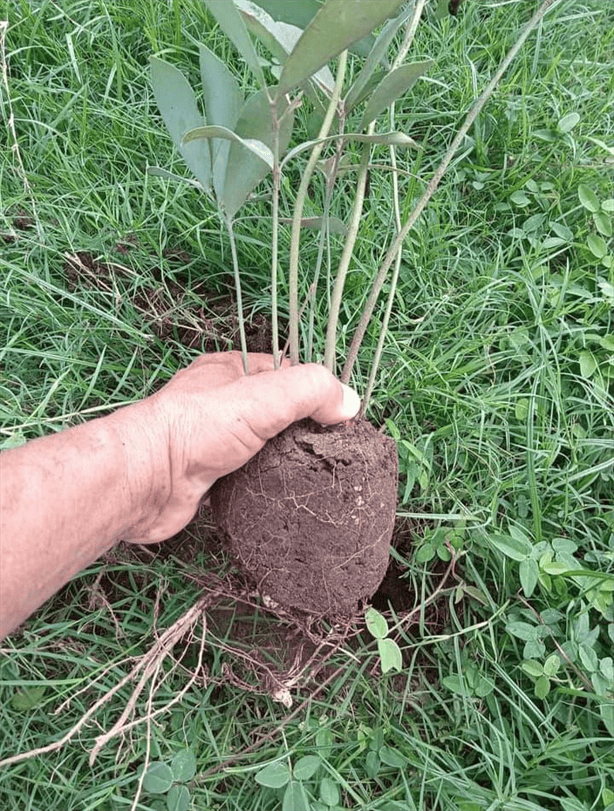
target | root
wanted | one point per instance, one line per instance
(147, 666)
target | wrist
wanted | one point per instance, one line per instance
(145, 468)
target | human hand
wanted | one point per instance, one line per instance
(210, 419)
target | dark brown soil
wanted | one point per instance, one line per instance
(310, 518)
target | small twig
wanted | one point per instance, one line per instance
(432, 187)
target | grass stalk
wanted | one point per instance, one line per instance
(299, 205)
(433, 185)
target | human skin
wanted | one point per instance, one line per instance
(139, 473)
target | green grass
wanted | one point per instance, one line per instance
(496, 380)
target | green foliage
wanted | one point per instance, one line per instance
(388, 649)
(170, 780)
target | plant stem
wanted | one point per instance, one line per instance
(235, 267)
(316, 275)
(410, 33)
(346, 256)
(298, 210)
(275, 235)
(432, 187)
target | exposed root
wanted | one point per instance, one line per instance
(146, 667)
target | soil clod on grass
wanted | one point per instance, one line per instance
(311, 516)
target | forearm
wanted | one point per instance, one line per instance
(68, 498)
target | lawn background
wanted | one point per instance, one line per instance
(496, 381)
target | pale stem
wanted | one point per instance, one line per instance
(298, 210)
(432, 187)
(346, 256)
(235, 267)
(410, 33)
(323, 241)
(275, 235)
(316, 275)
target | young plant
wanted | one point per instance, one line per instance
(389, 651)
(314, 533)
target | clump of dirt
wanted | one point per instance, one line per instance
(310, 518)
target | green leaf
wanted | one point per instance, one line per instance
(306, 767)
(568, 122)
(597, 245)
(336, 25)
(244, 169)
(589, 658)
(275, 775)
(519, 198)
(329, 792)
(522, 630)
(551, 665)
(390, 655)
(231, 22)
(529, 575)
(562, 231)
(533, 668)
(183, 765)
(298, 12)
(603, 223)
(301, 13)
(177, 104)
(158, 172)
(334, 224)
(542, 687)
(324, 741)
(257, 147)
(28, 699)
(377, 53)
(392, 86)
(572, 804)
(376, 623)
(295, 798)
(588, 198)
(178, 798)
(223, 102)
(392, 138)
(607, 716)
(392, 757)
(588, 363)
(280, 38)
(514, 548)
(372, 764)
(608, 205)
(158, 778)
(455, 685)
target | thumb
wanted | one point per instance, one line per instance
(274, 400)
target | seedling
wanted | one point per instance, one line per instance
(333, 548)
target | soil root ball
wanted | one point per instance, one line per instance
(311, 516)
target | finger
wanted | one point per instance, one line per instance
(269, 402)
(258, 362)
